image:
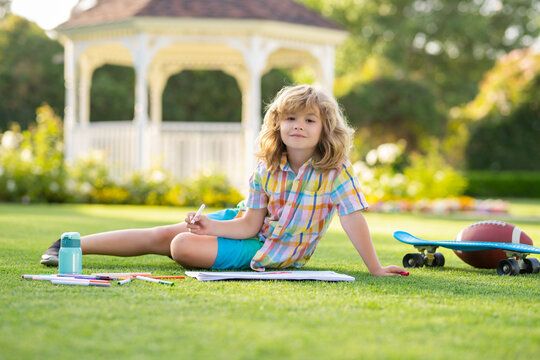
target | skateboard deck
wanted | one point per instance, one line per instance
(407, 238)
(516, 262)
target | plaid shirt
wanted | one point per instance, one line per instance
(300, 209)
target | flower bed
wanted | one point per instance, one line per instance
(440, 206)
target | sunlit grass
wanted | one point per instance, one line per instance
(453, 312)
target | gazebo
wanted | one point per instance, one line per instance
(160, 38)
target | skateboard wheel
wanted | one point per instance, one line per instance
(508, 267)
(438, 260)
(532, 265)
(413, 260)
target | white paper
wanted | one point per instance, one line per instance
(270, 275)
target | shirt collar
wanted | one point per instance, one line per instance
(284, 164)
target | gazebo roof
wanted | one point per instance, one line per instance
(109, 11)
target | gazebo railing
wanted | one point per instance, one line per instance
(181, 148)
(189, 149)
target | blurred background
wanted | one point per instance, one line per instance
(443, 95)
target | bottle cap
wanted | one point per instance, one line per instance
(70, 239)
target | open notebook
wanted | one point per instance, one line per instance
(270, 275)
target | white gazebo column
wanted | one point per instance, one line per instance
(70, 77)
(253, 117)
(85, 81)
(325, 56)
(255, 57)
(159, 75)
(141, 62)
(158, 80)
(157, 86)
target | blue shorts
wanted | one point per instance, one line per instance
(233, 253)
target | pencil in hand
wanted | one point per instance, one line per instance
(199, 212)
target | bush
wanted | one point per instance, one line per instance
(88, 176)
(90, 182)
(31, 162)
(212, 190)
(503, 184)
(391, 109)
(387, 174)
(430, 177)
(507, 143)
(500, 129)
(31, 71)
(32, 169)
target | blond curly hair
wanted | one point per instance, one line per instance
(336, 135)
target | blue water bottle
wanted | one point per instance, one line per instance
(70, 254)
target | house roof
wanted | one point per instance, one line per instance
(110, 11)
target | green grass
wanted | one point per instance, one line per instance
(454, 312)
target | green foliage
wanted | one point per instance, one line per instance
(31, 72)
(32, 170)
(90, 182)
(112, 93)
(202, 96)
(389, 174)
(271, 83)
(508, 142)
(212, 190)
(392, 109)
(500, 128)
(31, 162)
(512, 144)
(88, 177)
(432, 178)
(524, 184)
(448, 44)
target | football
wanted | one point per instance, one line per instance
(489, 231)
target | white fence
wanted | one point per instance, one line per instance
(182, 149)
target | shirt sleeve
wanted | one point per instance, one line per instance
(257, 197)
(346, 193)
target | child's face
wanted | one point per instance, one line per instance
(301, 130)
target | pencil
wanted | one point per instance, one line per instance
(122, 282)
(197, 213)
(157, 281)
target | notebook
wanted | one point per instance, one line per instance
(270, 275)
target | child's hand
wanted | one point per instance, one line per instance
(201, 224)
(391, 270)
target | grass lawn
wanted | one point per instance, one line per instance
(454, 312)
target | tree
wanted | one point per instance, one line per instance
(31, 72)
(112, 93)
(447, 44)
(505, 116)
(202, 96)
(391, 110)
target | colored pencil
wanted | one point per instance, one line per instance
(144, 278)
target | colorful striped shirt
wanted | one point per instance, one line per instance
(300, 209)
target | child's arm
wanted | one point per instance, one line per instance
(356, 227)
(248, 226)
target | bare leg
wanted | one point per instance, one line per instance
(133, 242)
(194, 251)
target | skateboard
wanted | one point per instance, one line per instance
(516, 262)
